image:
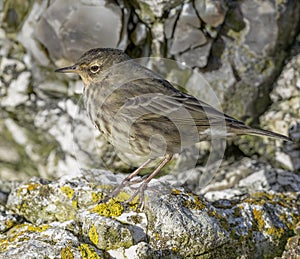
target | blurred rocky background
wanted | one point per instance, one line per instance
(247, 51)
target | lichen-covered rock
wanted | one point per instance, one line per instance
(148, 10)
(233, 180)
(8, 220)
(67, 212)
(292, 248)
(253, 49)
(283, 117)
(45, 241)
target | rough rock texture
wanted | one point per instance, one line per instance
(239, 55)
(236, 179)
(284, 114)
(237, 46)
(64, 217)
(292, 248)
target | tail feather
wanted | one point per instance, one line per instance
(261, 132)
(240, 128)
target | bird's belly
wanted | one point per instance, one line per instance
(145, 135)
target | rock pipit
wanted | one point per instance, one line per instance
(140, 112)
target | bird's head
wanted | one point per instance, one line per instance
(93, 62)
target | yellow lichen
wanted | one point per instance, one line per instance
(66, 253)
(29, 187)
(123, 196)
(219, 216)
(32, 186)
(196, 203)
(74, 204)
(275, 231)
(212, 213)
(88, 252)
(68, 191)
(258, 216)
(93, 235)
(3, 245)
(9, 223)
(175, 249)
(241, 207)
(176, 192)
(96, 197)
(19, 233)
(37, 228)
(110, 209)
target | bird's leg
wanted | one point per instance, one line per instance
(143, 186)
(116, 191)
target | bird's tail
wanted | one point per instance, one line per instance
(261, 132)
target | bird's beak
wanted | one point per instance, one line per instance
(71, 69)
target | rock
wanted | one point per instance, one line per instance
(283, 116)
(69, 37)
(292, 248)
(254, 65)
(8, 220)
(27, 240)
(197, 57)
(14, 13)
(14, 81)
(170, 21)
(187, 33)
(239, 60)
(27, 29)
(232, 180)
(211, 12)
(189, 43)
(139, 34)
(149, 10)
(67, 214)
(158, 35)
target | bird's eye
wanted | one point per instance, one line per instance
(94, 68)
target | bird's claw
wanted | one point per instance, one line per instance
(139, 191)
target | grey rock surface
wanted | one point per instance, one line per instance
(284, 114)
(173, 223)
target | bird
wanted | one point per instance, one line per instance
(142, 113)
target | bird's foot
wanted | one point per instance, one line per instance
(126, 182)
(140, 192)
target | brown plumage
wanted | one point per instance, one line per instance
(142, 113)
